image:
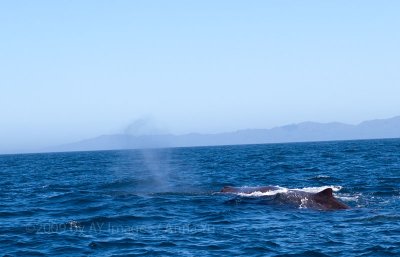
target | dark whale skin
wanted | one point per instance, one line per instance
(323, 200)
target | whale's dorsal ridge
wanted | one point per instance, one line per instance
(326, 193)
(323, 200)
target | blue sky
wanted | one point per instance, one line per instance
(70, 70)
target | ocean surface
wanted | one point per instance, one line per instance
(165, 202)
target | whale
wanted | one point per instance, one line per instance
(323, 200)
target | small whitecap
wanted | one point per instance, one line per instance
(322, 176)
(348, 198)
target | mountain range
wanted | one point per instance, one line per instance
(301, 132)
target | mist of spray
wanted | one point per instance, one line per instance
(152, 170)
(153, 167)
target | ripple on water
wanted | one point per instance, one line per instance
(111, 203)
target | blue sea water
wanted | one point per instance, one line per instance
(165, 203)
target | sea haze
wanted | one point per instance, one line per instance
(302, 132)
(165, 202)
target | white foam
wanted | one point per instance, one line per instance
(258, 193)
(304, 202)
(348, 198)
(318, 189)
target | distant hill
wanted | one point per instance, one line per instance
(302, 132)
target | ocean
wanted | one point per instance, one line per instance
(166, 202)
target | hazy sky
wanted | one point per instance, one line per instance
(70, 70)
